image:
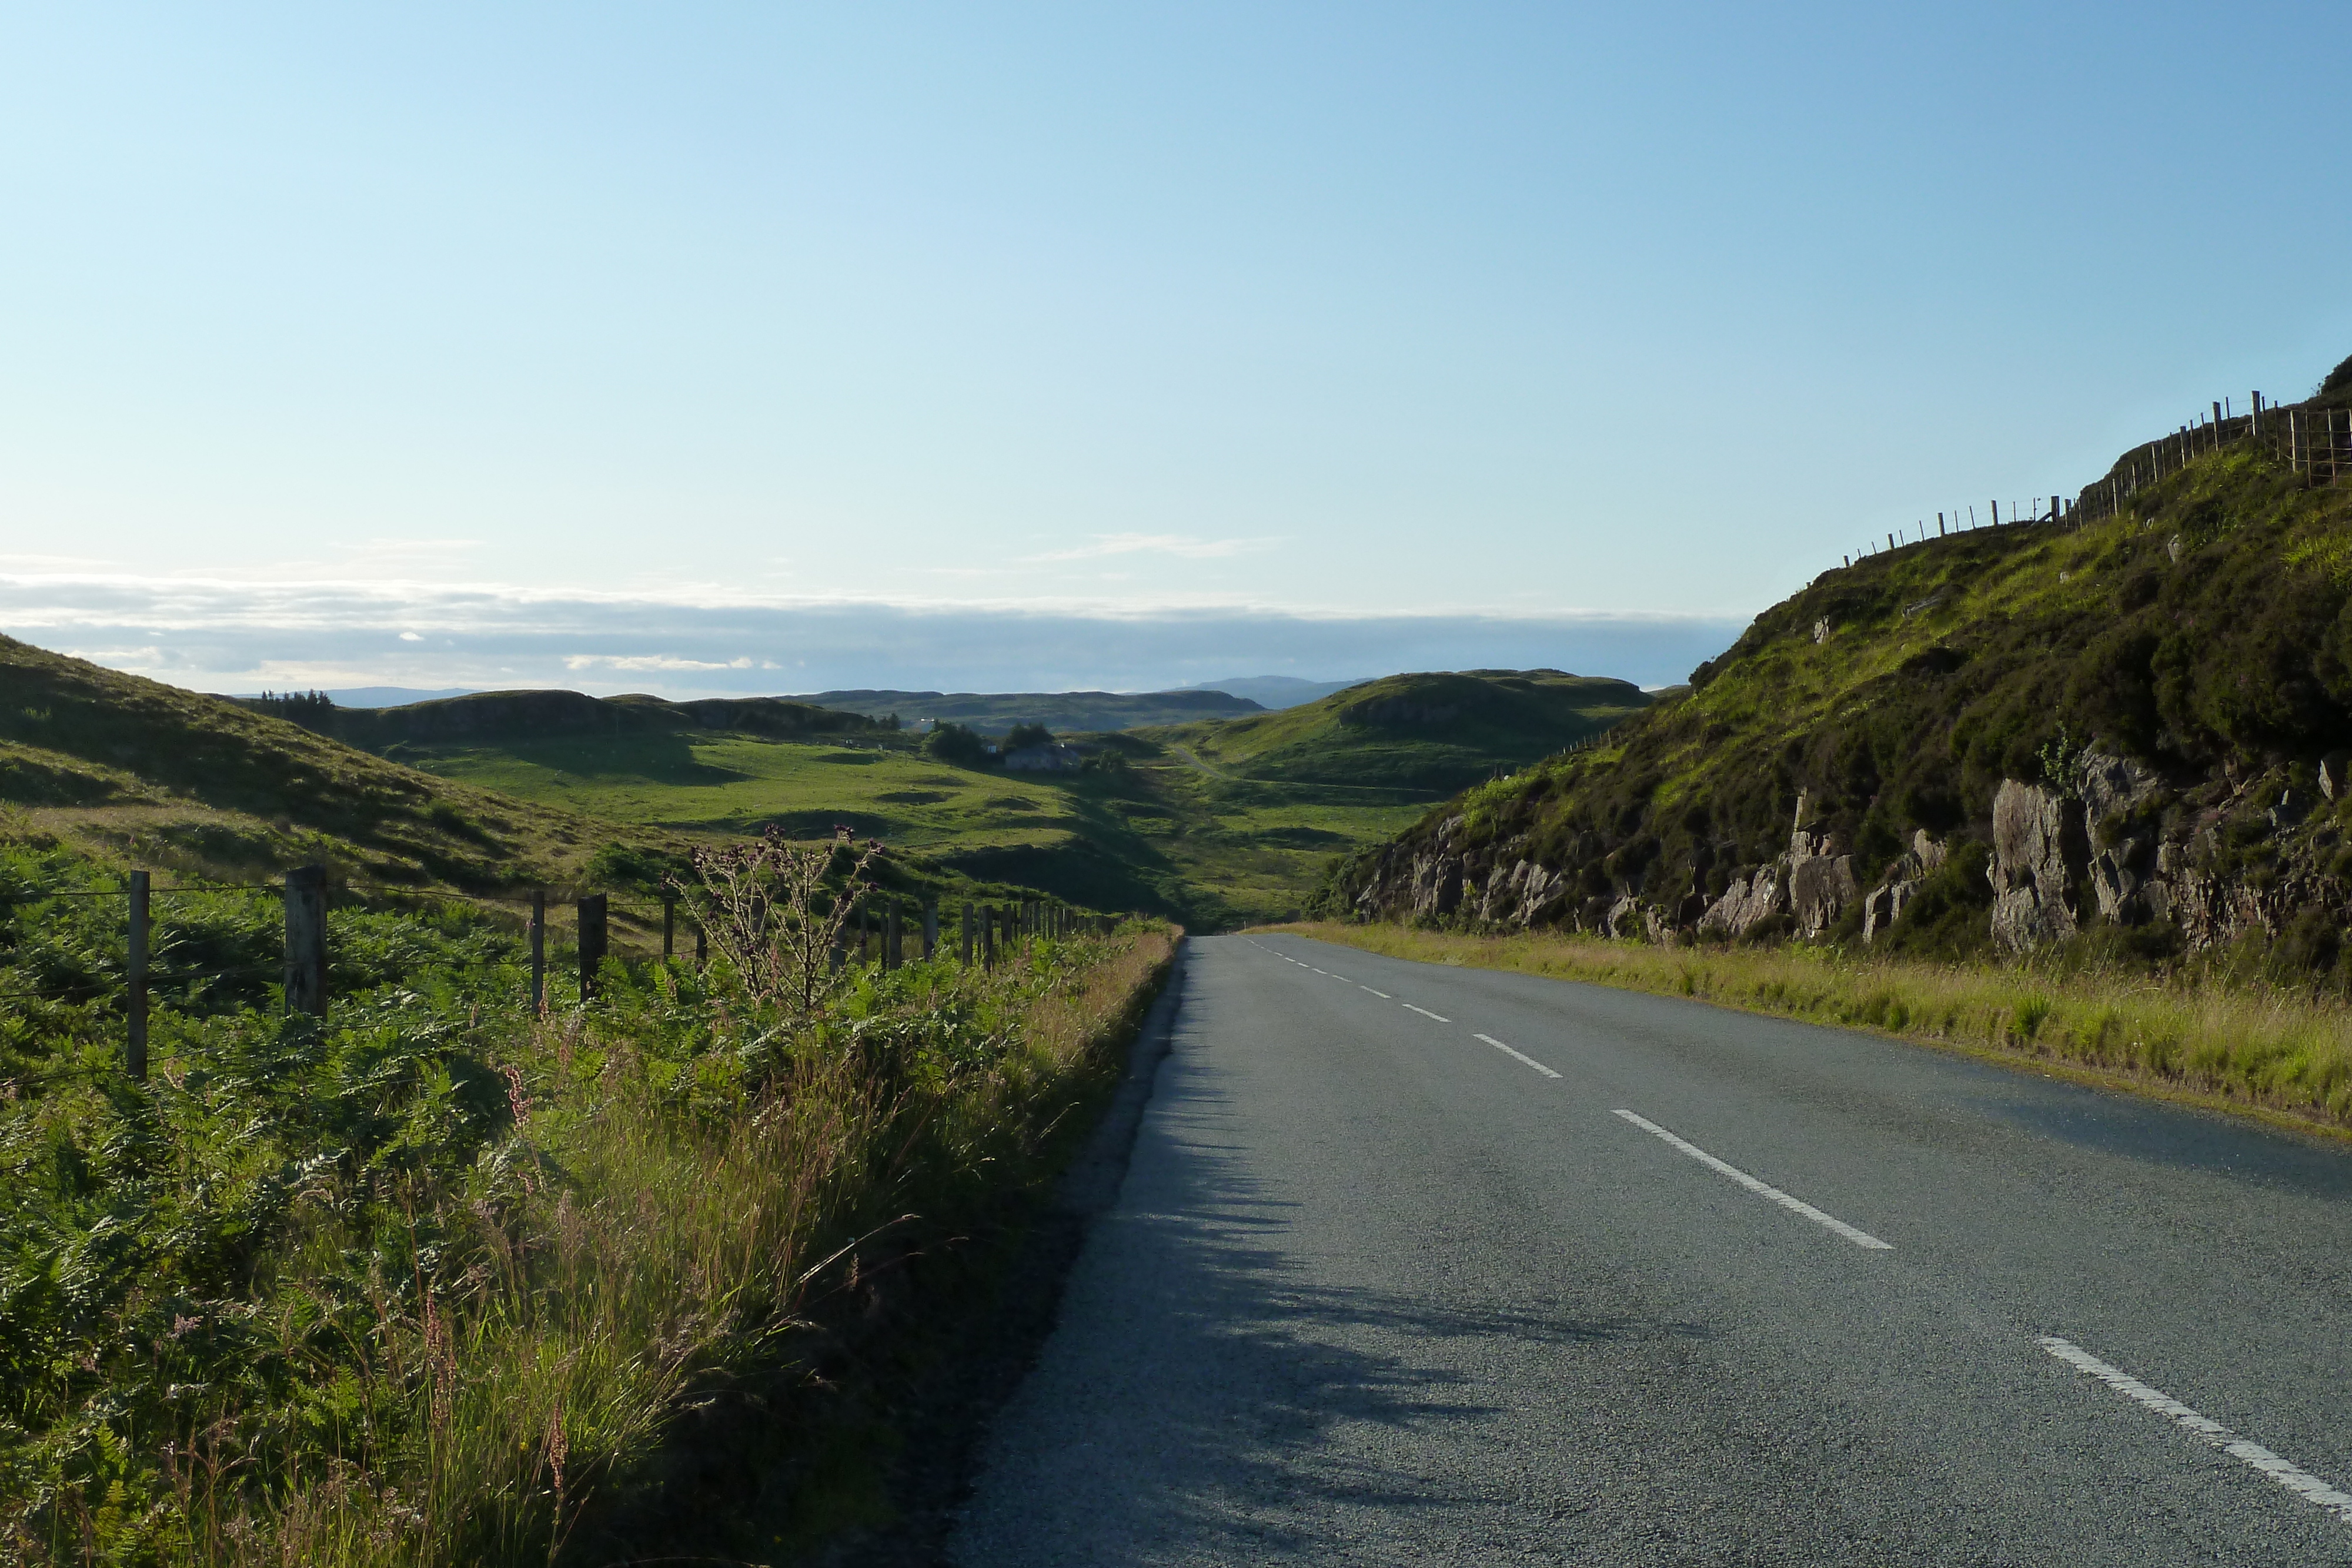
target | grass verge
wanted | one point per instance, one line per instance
(436, 1281)
(2274, 1052)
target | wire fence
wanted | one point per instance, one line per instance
(2314, 444)
(876, 932)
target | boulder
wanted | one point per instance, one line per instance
(1437, 886)
(1879, 909)
(1746, 902)
(2037, 850)
(1929, 853)
(1882, 905)
(1819, 887)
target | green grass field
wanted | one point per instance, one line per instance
(1216, 824)
(1160, 835)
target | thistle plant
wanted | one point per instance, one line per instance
(772, 910)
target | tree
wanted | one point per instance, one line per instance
(1022, 735)
(954, 743)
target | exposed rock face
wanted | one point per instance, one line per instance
(2037, 850)
(1746, 902)
(2331, 774)
(1884, 905)
(2231, 855)
(1527, 894)
(2111, 785)
(1812, 883)
(1819, 887)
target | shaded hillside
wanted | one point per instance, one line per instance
(994, 713)
(207, 778)
(2007, 736)
(492, 717)
(1424, 732)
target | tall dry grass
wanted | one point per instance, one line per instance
(656, 1226)
(2200, 1033)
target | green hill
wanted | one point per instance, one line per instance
(1215, 822)
(209, 784)
(1432, 733)
(2128, 729)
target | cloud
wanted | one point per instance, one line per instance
(1182, 545)
(658, 662)
(229, 636)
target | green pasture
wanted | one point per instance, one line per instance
(1161, 834)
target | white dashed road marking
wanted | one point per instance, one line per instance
(1762, 1189)
(1515, 1056)
(2295, 1479)
(1425, 1013)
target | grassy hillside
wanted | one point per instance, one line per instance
(1215, 823)
(113, 760)
(1154, 834)
(994, 713)
(1423, 732)
(2163, 687)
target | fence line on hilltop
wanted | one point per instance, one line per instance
(2314, 443)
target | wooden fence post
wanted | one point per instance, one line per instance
(968, 934)
(592, 941)
(987, 937)
(134, 975)
(930, 930)
(670, 928)
(538, 952)
(890, 931)
(701, 945)
(306, 940)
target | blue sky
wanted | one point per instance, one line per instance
(437, 347)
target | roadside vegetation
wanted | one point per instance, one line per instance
(435, 1279)
(2233, 1029)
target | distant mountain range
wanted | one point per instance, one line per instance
(992, 713)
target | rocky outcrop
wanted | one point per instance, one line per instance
(2111, 841)
(2038, 851)
(1747, 903)
(1813, 884)
(1819, 887)
(1527, 894)
(1885, 903)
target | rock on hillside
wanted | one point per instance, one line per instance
(1999, 739)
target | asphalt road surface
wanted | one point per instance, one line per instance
(1419, 1264)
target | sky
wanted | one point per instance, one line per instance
(769, 348)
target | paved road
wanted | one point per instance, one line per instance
(1664, 1284)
